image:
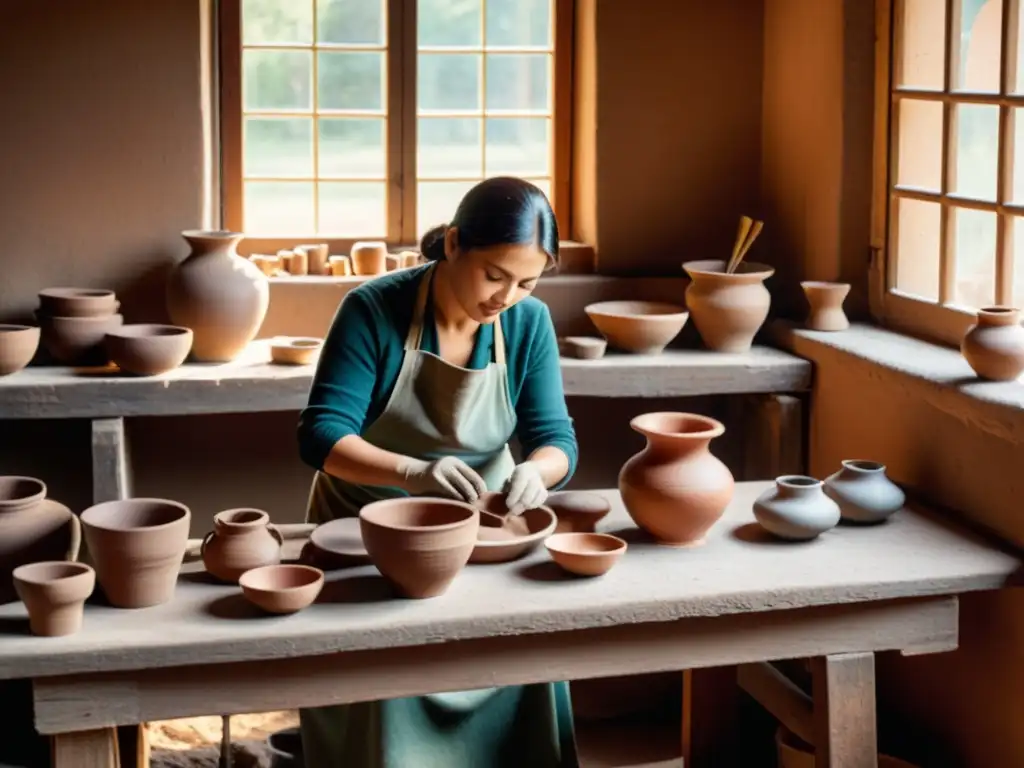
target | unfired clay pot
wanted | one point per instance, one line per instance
(241, 539)
(54, 593)
(369, 258)
(994, 346)
(419, 544)
(577, 511)
(18, 345)
(728, 309)
(826, 305)
(514, 535)
(222, 297)
(863, 492)
(640, 327)
(675, 488)
(148, 349)
(295, 351)
(286, 588)
(32, 528)
(796, 508)
(77, 340)
(585, 554)
(137, 547)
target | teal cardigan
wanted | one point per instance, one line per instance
(363, 352)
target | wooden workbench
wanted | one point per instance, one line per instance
(741, 598)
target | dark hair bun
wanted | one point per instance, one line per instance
(432, 243)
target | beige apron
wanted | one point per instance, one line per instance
(438, 409)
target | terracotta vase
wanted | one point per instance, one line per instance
(137, 547)
(54, 593)
(221, 296)
(32, 528)
(994, 346)
(241, 539)
(728, 309)
(863, 492)
(826, 305)
(675, 488)
(796, 508)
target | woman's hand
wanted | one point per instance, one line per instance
(447, 476)
(525, 488)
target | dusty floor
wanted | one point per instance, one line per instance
(194, 742)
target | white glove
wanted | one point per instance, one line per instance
(448, 476)
(525, 489)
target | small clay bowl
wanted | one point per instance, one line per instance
(285, 588)
(584, 347)
(18, 345)
(516, 536)
(18, 493)
(639, 327)
(77, 340)
(585, 554)
(295, 351)
(419, 544)
(148, 350)
(54, 592)
(77, 302)
(578, 511)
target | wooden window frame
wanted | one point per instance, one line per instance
(400, 132)
(941, 321)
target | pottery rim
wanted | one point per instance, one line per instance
(651, 425)
(212, 233)
(999, 315)
(16, 328)
(253, 518)
(824, 286)
(597, 543)
(76, 293)
(29, 490)
(375, 513)
(246, 579)
(716, 268)
(644, 309)
(148, 330)
(526, 538)
(798, 482)
(50, 572)
(97, 509)
(298, 342)
(863, 465)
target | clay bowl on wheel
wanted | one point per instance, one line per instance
(516, 536)
(77, 340)
(419, 544)
(295, 351)
(148, 349)
(585, 554)
(284, 588)
(18, 345)
(77, 302)
(639, 327)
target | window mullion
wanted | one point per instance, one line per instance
(402, 137)
(1007, 149)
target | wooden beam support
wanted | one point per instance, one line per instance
(845, 731)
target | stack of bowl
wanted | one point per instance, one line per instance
(74, 322)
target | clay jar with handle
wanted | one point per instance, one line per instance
(32, 528)
(241, 539)
(994, 346)
(222, 297)
(863, 492)
(675, 488)
(728, 309)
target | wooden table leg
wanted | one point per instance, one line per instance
(709, 717)
(845, 733)
(86, 749)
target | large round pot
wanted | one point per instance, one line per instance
(137, 547)
(221, 296)
(675, 488)
(994, 345)
(419, 544)
(728, 308)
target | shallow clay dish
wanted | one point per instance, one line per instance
(295, 351)
(77, 302)
(640, 327)
(54, 593)
(336, 544)
(516, 537)
(578, 511)
(585, 554)
(419, 544)
(584, 347)
(285, 588)
(148, 350)
(18, 345)
(77, 340)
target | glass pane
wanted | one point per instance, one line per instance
(975, 258)
(518, 81)
(1017, 232)
(920, 144)
(350, 22)
(1019, 83)
(277, 80)
(519, 23)
(352, 147)
(350, 80)
(921, 47)
(977, 150)
(449, 82)
(1017, 193)
(436, 202)
(981, 29)
(518, 146)
(277, 21)
(278, 146)
(449, 23)
(278, 208)
(449, 148)
(353, 209)
(917, 249)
